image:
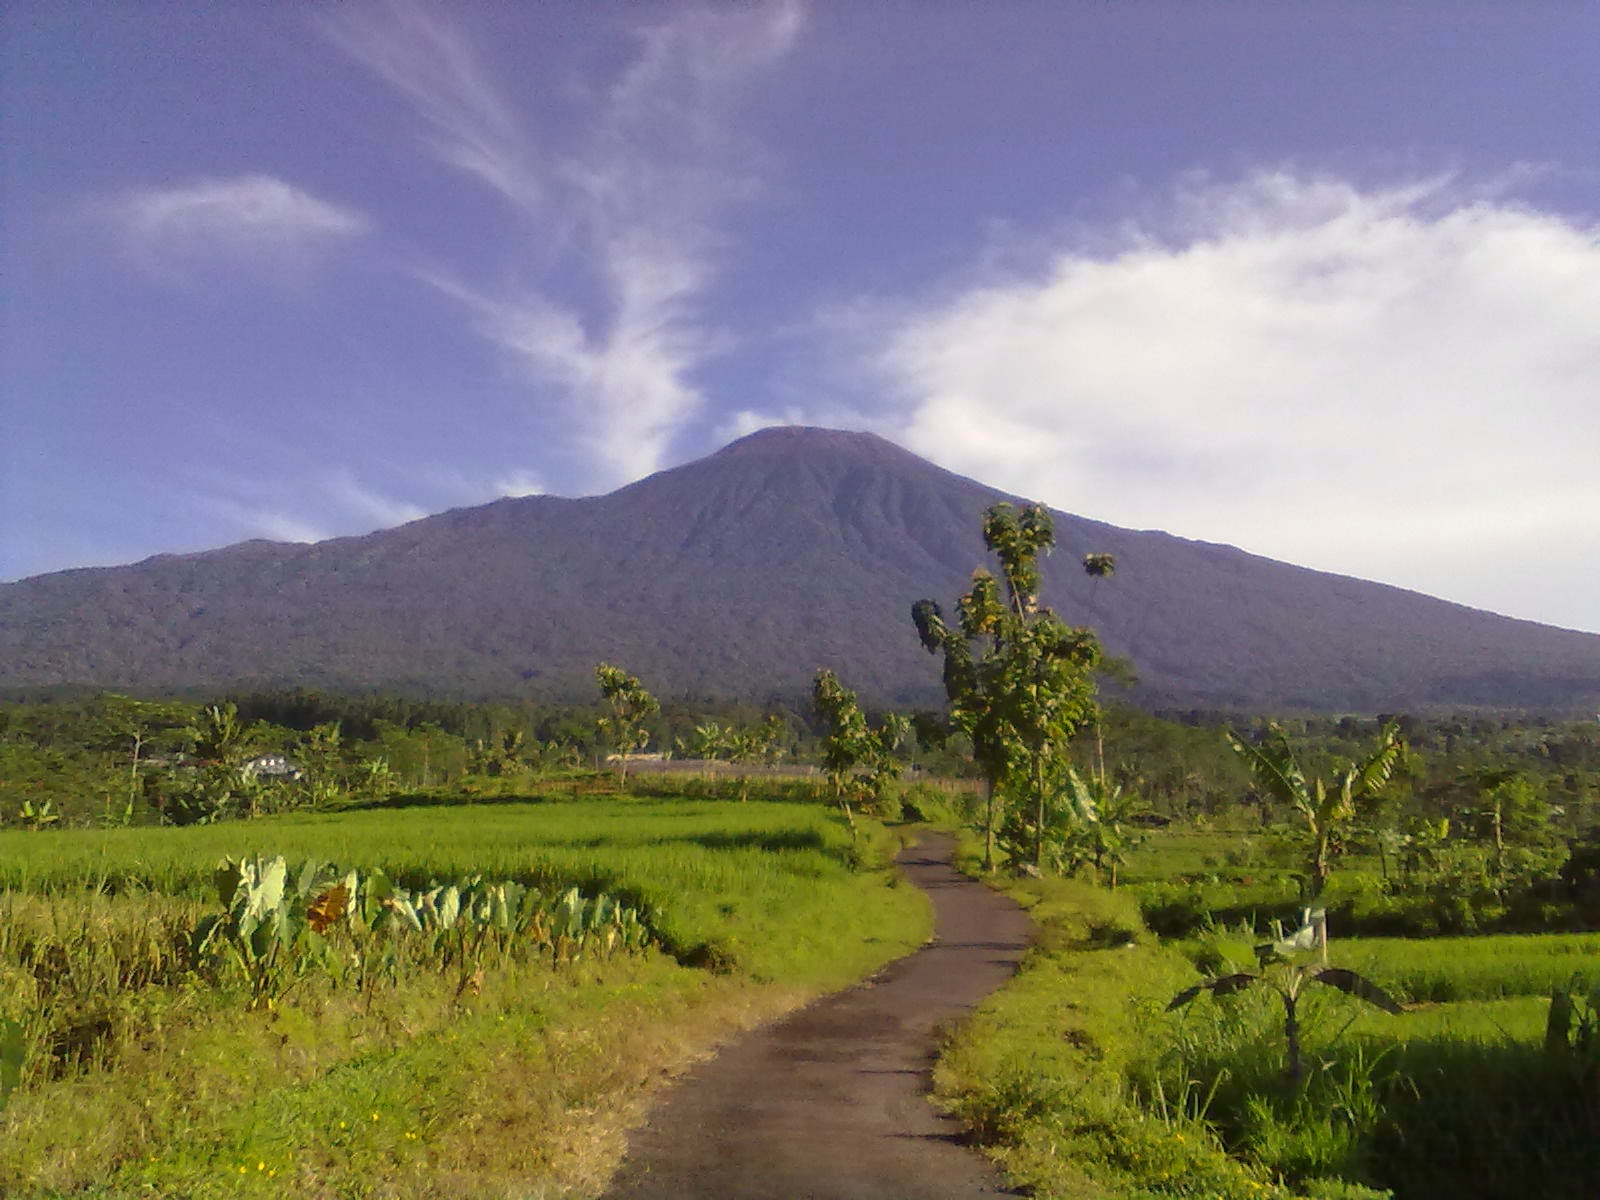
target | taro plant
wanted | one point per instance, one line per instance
(279, 927)
(1282, 966)
(267, 934)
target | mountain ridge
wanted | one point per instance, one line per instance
(739, 574)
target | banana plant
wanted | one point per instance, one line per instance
(1278, 968)
(40, 816)
(1099, 822)
(1326, 810)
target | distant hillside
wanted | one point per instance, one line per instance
(739, 575)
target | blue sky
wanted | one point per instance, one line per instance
(1319, 280)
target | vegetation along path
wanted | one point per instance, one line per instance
(832, 1102)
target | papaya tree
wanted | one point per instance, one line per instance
(628, 707)
(1019, 680)
(1328, 810)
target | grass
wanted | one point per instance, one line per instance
(1082, 1085)
(1041, 1071)
(522, 1087)
(751, 886)
(1450, 969)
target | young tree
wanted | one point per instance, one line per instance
(1019, 680)
(1328, 812)
(628, 707)
(320, 753)
(860, 761)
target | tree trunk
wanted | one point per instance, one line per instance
(1319, 864)
(133, 776)
(988, 825)
(1039, 814)
(1291, 1033)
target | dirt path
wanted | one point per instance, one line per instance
(831, 1103)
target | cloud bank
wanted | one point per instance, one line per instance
(1394, 382)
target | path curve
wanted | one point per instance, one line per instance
(831, 1103)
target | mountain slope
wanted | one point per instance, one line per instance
(739, 575)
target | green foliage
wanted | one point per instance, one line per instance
(860, 761)
(1099, 829)
(1281, 970)
(1018, 679)
(628, 706)
(279, 926)
(1327, 811)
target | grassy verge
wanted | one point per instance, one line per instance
(521, 1087)
(1082, 1085)
(1042, 1071)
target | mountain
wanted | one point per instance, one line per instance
(739, 575)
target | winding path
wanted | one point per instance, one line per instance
(831, 1103)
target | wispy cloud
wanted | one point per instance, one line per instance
(647, 166)
(367, 504)
(263, 521)
(1397, 382)
(299, 505)
(256, 217)
(417, 52)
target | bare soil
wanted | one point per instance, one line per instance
(831, 1103)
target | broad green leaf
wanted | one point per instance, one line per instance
(1355, 985)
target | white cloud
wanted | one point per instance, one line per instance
(653, 163)
(264, 521)
(1399, 383)
(519, 483)
(256, 217)
(364, 503)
